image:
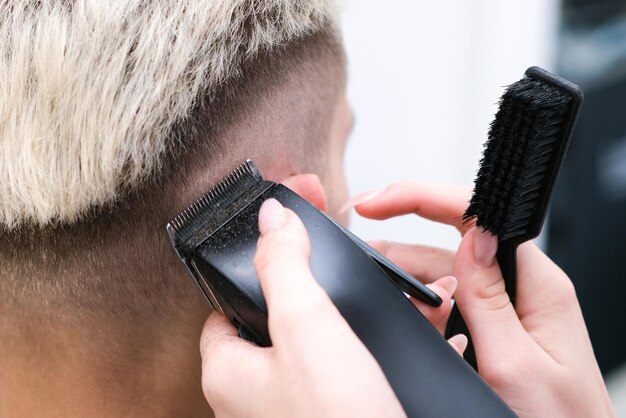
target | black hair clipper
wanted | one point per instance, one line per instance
(216, 239)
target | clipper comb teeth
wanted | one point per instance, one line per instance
(238, 182)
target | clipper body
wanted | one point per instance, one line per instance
(216, 238)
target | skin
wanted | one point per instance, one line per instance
(536, 356)
(289, 367)
(61, 363)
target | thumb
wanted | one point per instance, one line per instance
(282, 264)
(482, 299)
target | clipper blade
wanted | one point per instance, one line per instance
(200, 218)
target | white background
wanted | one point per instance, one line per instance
(424, 78)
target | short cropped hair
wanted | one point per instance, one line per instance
(92, 92)
(112, 113)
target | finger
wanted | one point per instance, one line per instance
(282, 263)
(484, 303)
(546, 302)
(425, 263)
(437, 202)
(217, 329)
(459, 343)
(542, 287)
(233, 370)
(438, 317)
(309, 187)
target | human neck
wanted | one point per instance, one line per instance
(98, 366)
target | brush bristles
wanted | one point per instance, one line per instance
(518, 154)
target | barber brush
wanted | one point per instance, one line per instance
(522, 157)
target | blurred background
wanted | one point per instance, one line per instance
(424, 80)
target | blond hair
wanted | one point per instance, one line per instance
(90, 90)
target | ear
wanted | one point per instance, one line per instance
(309, 187)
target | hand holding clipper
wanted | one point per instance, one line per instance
(217, 239)
(317, 367)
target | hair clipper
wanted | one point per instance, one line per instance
(216, 239)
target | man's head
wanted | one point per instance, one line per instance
(116, 115)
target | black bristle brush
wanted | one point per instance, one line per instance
(527, 143)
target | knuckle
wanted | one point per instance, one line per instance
(566, 293)
(433, 251)
(493, 295)
(399, 185)
(562, 293)
(498, 373)
(263, 260)
(384, 247)
(435, 254)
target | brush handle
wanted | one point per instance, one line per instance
(507, 260)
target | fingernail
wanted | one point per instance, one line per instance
(449, 283)
(485, 247)
(271, 216)
(359, 199)
(459, 340)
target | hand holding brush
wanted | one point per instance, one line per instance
(537, 355)
(527, 144)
